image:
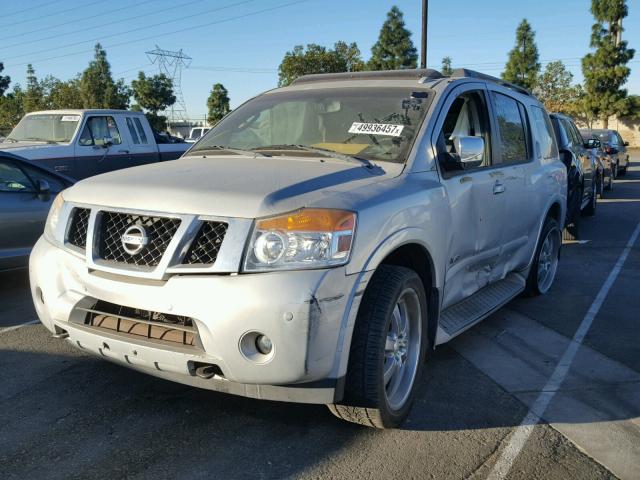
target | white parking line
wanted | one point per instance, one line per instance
(16, 327)
(520, 436)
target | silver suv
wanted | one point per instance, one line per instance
(317, 244)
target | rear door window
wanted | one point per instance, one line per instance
(140, 128)
(512, 129)
(132, 131)
(544, 133)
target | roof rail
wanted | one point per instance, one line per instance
(465, 72)
(419, 74)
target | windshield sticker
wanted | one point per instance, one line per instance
(70, 118)
(376, 129)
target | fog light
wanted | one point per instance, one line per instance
(263, 344)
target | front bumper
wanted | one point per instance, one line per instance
(307, 315)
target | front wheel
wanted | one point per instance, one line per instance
(388, 350)
(545, 262)
(590, 209)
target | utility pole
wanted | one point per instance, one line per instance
(425, 16)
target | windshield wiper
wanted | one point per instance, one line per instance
(323, 151)
(237, 151)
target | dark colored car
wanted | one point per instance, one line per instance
(603, 159)
(614, 147)
(585, 176)
(26, 194)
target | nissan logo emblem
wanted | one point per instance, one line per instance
(134, 239)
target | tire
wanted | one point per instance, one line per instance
(622, 171)
(614, 171)
(609, 185)
(534, 286)
(601, 186)
(571, 232)
(590, 209)
(369, 400)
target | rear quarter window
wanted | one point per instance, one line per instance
(543, 133)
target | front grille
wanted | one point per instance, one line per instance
(77, 235)
(205, 247)
(159, 230)
(162, 327)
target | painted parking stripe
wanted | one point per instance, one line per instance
(16, 327)
(519, 437)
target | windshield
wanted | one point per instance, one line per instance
(376, 124)
(58, 128)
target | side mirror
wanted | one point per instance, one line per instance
(470, 151)
(567, 158)
(107, 142)
(626, 144)
(593, 143)
(43, 186)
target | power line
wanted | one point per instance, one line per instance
(76, 20)
(101, 25)
(44, 4)
(142, 39)
(73, 44)
(59, 12)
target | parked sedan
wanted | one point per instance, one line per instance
(585, 176)
(26, 194)
(614, 147)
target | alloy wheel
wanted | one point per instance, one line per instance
(548, 260)
(402, 349)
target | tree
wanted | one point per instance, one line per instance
(5, 80)
(11, 109)
(522, 67)
(33, 95)
(446, 66)
(97, 87)
(318, 59)
(218, 103)
(63, 95)
(394, 49)
(555, 90)
(153, 93)
(605, 70)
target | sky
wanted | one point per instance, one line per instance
(241, 43)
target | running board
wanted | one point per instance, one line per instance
(463, 315)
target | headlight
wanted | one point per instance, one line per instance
(308, 238)
(51, 227)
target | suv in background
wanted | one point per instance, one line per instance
(615, 148)
(585, 177)
(317, 243)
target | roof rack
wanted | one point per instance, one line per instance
(420, 74)
(465, 72)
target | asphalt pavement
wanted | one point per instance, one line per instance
(535, 391)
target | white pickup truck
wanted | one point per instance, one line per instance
(83, 143)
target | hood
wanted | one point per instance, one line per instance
(24, 148)
(233, 186)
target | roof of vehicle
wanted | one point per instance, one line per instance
(418, 75)
(76, 111)
(598, 130)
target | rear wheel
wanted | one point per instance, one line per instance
(601, 186)
(545, 262)
(388, 350)
(590, 209)
(614, 171)
(609, 184)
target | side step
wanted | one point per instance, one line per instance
(463, 315)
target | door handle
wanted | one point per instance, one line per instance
(123, 151)
(498, 188)
(61, 168)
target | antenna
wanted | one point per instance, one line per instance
(171, 64)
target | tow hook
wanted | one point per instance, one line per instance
(61, 335)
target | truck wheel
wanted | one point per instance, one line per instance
(601, 186)
(590, 209)
(545, 262)
(388, 350)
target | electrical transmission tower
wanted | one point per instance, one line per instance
(171, 64)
